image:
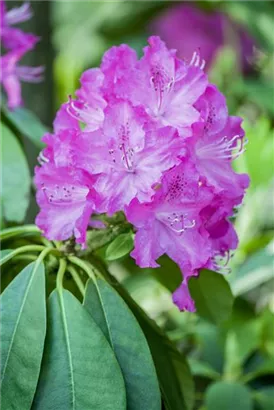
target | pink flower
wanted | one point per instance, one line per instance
(17, 43)
(67, 200)
(152, 138)
(89, 107)
(218, 139)
(12, 74)
(130, 157)
(164, 85)
(171, 222)
(188, 28)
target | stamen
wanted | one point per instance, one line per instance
(42, 159)
(223, 149)
(162, 84)
(178, 223)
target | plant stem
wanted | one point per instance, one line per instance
(83, 265)
(77, 279)
(60, 275)
(43, 254)
(22, 249)
(25, 258)
(17, 231)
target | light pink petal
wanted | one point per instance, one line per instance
(147, 247)
(12, 87)
(30, 74)
(18, 14)
(64, 120)
(66, 199)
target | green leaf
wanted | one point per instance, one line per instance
(202, 369)
(260, 150)
(27, 124)
(245, 328)
(15, 178)
(4, 253)
(212, 296)
(173, 372)
(261, 93)
(121, 246)
(265, 369)
(79, 369)
(256, 270)
(267, 337)
(128, 342)
(23, 316)
(210, 346)
(265, 398)
(228, 396)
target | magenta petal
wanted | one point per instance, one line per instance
(181, 297)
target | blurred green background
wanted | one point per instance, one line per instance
(232, 358)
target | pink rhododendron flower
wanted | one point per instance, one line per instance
(67, 199)
(17, 44)
(152, 138)
(188, 28)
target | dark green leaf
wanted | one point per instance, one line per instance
(172, 369)
(246, 329)
(23, 316)
(228, 396)
(27, 124)
(79, 369)
(211, 349)
(121, 246)
(265, 369)
(212, 296)
(265, 398)
(128, 342)
(202, 369)
(15, 178)
(261, 93)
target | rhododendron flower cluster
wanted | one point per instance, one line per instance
(188, 28)
(152, 138)
(16, 44)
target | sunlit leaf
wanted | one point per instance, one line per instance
(120, 247)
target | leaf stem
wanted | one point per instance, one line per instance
(22, 249)
(60, 275)
(77, 279)
(83, 265)
(25, 258)
(17, 231)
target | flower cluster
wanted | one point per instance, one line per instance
(187, 28)
(16, 44)
(151, 138)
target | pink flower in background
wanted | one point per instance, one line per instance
(188, 28)
(17, 44)
(152, 138)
